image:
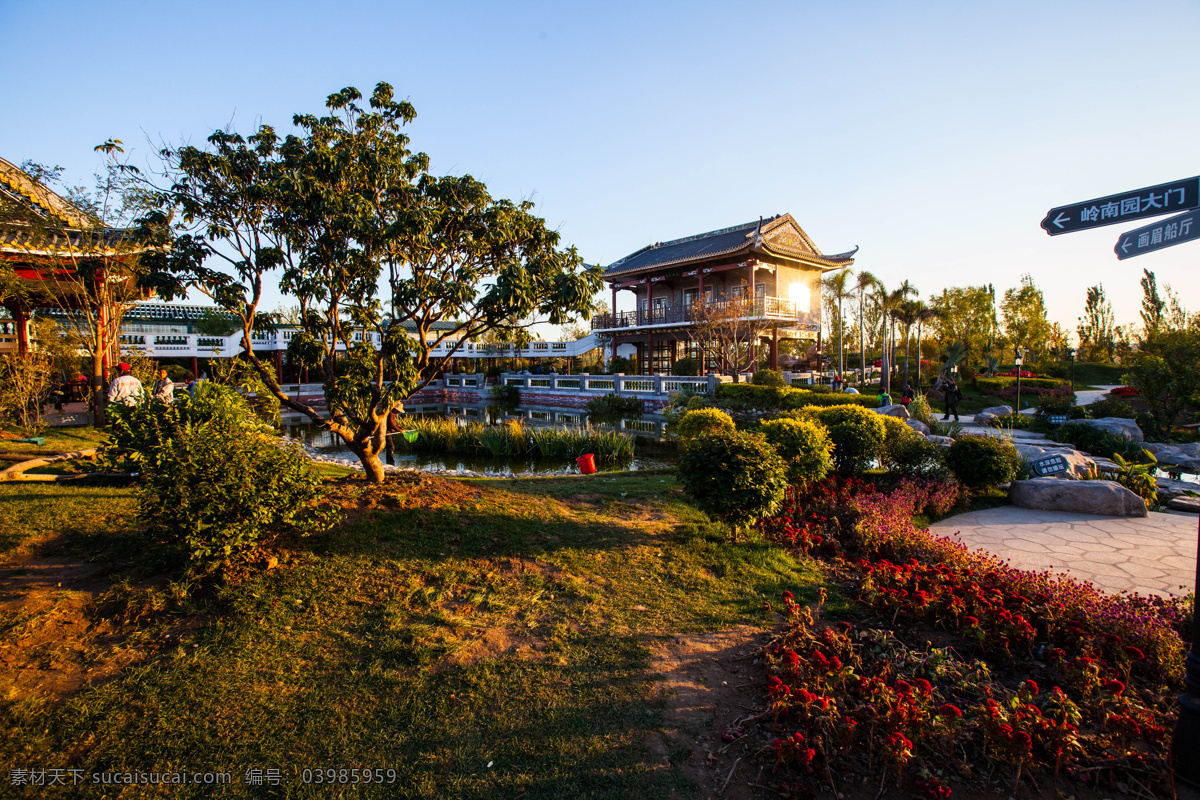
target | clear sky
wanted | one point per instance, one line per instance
(933, 135)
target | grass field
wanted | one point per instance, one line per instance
(482, 639)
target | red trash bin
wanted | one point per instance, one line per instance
(587, 463)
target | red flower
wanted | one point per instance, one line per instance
(788, 596)
(1116, 687)
(950, 710)
(1133, 652)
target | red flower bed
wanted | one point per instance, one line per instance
(853, 699)
(1124, 391)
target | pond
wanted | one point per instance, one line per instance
(647, 456)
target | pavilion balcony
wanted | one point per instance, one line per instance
(765, 308)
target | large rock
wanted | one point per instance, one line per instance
(1081, 465)
(897, 410)
(1185, 457)
(998, 411)
(1187, 503)
(918, 426)
(1116, 425)
(1105, 498)
(987, 420)
(944, 441)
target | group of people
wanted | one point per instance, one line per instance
(949, 390)
(127, 390)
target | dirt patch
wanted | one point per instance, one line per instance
(710, 683)
(63, 627)
(401, 491)
(493, 643)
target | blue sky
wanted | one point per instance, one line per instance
(933, 135)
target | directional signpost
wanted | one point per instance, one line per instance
(1125, 207)
(1164, 233)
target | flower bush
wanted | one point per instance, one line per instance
(733, 477)
(804, 446)
(1035, 673)
(1125, 391)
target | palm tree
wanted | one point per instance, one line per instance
(952, 356)
(891, 303)
(865, 281)
(836, 286)
(906, 315)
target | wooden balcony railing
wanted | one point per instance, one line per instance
(774, 308)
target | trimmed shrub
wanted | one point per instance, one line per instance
(623, 365)
(1110, 407)
(804, 446)
(857, 434)
(698, 401)
(915, 456)
(216, 484)
(982, 462)
(736, 478)
(767, 377)
(993, 385)
(824, 396)
(686, 367)
(747, 395)
(701, 421)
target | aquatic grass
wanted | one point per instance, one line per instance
(513, 439)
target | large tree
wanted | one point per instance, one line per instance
(728, 332)
(370, 246)
(837, 289)
(967, 315)
(1095, 329)
(1025, 322)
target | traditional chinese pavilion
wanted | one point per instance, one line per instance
(50, 244)
(773, 260)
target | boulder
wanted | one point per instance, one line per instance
(944, 441)
(918, 426)
(1186, 503)
(1185, 457)
(1081, 465)
(998, 411)
(1105, 498)
(987, 420)
(897, 410)
(1116, 425)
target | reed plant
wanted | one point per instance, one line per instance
(514, 439)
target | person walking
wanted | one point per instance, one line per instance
(164, 388)
(126, 389)
(952, 394)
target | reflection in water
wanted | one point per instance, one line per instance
(647, 457)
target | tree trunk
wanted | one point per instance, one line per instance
(841, 340)
(98, 396)
(907, 347)
(862, 352)
(372, 466)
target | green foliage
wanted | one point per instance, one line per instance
(698, 401)
(1025, 322)
(920, 411)
(1165, 372)
(1110, 407)
(983, 462)
(686, 367)
(703, 421)
(736, 478)
(214, 322)
(804, 445)
(767, 377)
(216, 485)
(1139, 478)
(25, 384)
(916, 456)
(857, 434)
(611, 408)
(1096, 441)
(622, 365)
(504, 398)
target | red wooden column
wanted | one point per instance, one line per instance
(21, 323)
(775, 348)
(195, 367)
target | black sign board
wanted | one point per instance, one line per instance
(1164, 233)
(1050, 465)
(1057, 419)
(1138, 204)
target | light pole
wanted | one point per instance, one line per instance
(1072, 353)
(1019, 360)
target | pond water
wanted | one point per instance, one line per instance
(647, 456)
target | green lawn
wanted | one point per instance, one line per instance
(496, 647)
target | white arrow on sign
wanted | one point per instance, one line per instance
(1125, 246)
(1060, 219)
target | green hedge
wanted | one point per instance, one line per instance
(770, 398)
(986, 385)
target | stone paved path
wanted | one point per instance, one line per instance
(1155, 555)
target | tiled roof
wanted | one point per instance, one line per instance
(690, 248)
(780, 235)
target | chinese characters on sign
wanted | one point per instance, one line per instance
(1168, 232)
(1151, 202)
